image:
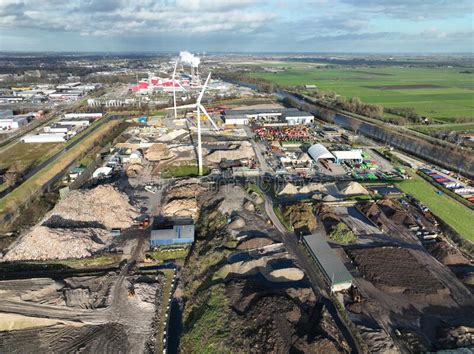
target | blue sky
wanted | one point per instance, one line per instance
(398, 26)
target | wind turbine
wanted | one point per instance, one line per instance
(200, 108)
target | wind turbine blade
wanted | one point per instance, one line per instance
(203, 89)
(208, 116)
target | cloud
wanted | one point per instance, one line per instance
(414, 10)
(131, 17)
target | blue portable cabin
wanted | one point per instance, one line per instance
(177, 235)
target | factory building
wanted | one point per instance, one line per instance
(348, 155)
(15, 122)
(44, 138)
(178, 234)
(75, 122)
(335, 272)
(275, 116)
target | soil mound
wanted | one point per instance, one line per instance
(446, 254)
(255, 242)
(43, 243)
(397, 270)
(158, 152)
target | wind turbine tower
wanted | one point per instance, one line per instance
(198, 105)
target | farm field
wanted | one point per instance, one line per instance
(453, 213)
(439, 93)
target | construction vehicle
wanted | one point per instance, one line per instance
(145, 223)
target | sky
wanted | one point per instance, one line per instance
(345, 26)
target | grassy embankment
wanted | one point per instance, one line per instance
(439, 93)
(33, 185)
(450, 211)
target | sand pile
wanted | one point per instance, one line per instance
(286, 274)
(103, 204)
(158, 152)
(351, 188)
(43, 243)
(243, 151)
(291, 189)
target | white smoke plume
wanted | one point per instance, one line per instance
(189, 59)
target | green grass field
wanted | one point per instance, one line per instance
(453, 213)
(27, 155)
(446, 93)
(430, 129)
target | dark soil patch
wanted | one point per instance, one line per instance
(395, 270)
(404, 87)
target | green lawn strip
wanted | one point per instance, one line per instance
(97, 261)
(450, 211)
(184, 171)
(167, 253)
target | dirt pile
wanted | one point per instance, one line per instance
(397, 271)
(254, 242)
(446, 254)
(42, 243)
(379, 211)
(244, 150)
(273, 320)
(158, 152)
(133, 170)
(182, 200)
(103, 204)
(301, 216)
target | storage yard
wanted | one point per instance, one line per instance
(299, 236)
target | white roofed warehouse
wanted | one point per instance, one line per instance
(319, 151)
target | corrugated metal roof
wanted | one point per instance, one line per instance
(329, 261)
(318, 151)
